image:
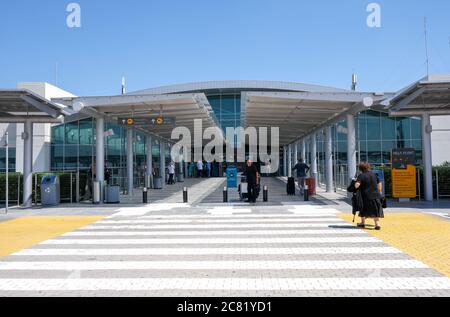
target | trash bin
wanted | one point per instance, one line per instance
(232, 176)
(96, 192)
(180, 178)
(112, 195)
(50, 191)
(311, 183)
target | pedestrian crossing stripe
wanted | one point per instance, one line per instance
(229, 284)
(208, 251)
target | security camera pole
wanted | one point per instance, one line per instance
(7, 171)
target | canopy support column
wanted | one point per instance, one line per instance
(28, 164)
(314, 158)
(100, 154)
(149, 159)
(289, 160)
(162, 164)
(427, 157)
(130, 162)
(351, 146)
(329, 160)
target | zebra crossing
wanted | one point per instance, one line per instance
(196, 251)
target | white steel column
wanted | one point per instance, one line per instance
(304, 150)
(149, 156)
(329, 160)
(290, 160)
(427, 157)
(351, 146)
(295, 153)
(100, 154)
(162, 163)
(314, 158)
(28, 164)
(285, 161)
(130, 161)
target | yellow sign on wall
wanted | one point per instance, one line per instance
(404, 182)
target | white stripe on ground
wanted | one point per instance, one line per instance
(213, 265)
(214, 221)
(231, 284)
(250, 216)
(86, 233)
(208, 251)
(217, 226)
(210, 241)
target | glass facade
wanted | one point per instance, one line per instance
(227, 108)
(376, 134)
(73, 149)
(11, 159)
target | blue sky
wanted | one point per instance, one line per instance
(156, 43)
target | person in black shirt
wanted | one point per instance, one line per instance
(252, 174)
(371, 188)
(302, 171)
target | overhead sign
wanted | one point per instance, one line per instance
(147, 121)
(404, 173)
(127, 121)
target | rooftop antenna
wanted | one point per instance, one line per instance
(354, 81)
(426, 45)
(123, 85)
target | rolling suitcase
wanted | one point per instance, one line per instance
(291, 186)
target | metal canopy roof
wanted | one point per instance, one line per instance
(183, 108)
(241, 85)
(300, 114)
(19, 105)
(430, 95)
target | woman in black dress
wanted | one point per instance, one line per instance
(371, 190)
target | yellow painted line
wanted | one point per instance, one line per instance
(22, 233)
(424, 237)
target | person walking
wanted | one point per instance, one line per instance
(171, 170)
(208, 169)
(302, 170)
(371, 191)
(199, 169)
(253, 179)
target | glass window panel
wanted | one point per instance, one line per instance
(85, 158)
(86, 132)
(374, 152)
(70, 157)
(403, 128)
(387, 147)
(57, 136)
(388, 128)
(416, 128)
(72, 133)
(57, 154)
(373, 126)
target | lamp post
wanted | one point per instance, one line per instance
(7, 171)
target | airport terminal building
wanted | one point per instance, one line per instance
(51, 130)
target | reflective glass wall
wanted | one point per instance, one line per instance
(377, 134)
(73, 149)
(11, 159)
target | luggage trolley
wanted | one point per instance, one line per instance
(243, 188)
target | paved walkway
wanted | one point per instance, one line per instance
(178, 250)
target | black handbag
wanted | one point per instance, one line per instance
(384, 202)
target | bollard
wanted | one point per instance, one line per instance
(266, 194)
(145, 196)
(306, 193)
(185, 195)
(225, 194)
